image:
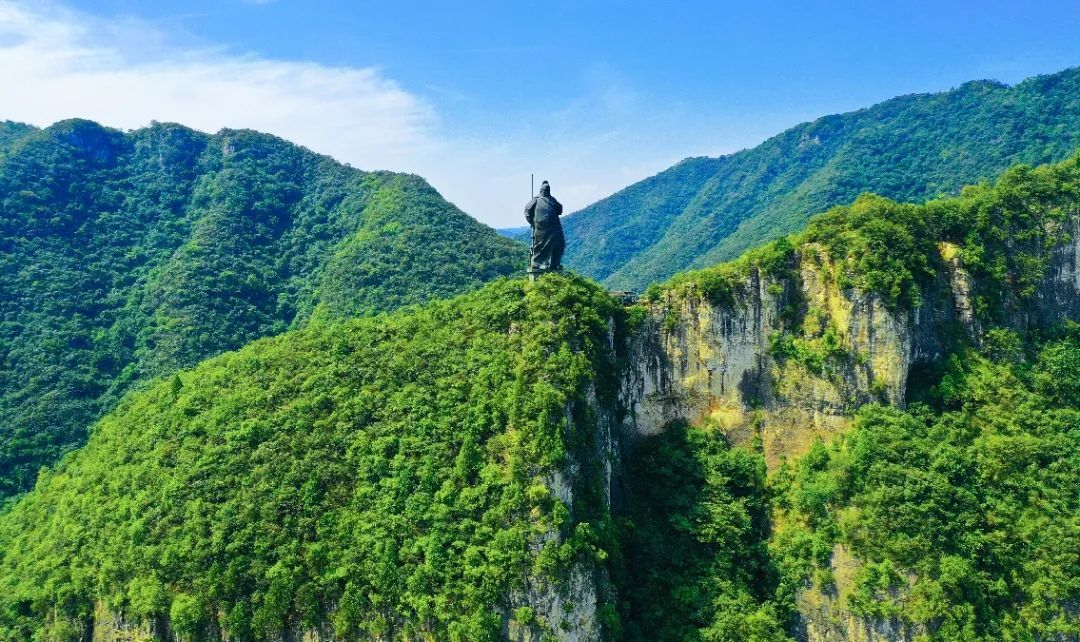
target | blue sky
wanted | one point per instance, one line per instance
(475, 95)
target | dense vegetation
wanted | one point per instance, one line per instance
(125, 256)
(960, 513)
(1003, 234)
(387, 473)
(694, 562)
(963, 511)
(912, 148)
(391, 476)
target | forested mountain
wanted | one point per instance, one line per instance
(514, 232)
(125, 256)
(727, 460)
(11, 132)
(911, 148)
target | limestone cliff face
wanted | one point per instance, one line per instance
(698, 361)
(567, 609)
(701, 362)
(823, 618)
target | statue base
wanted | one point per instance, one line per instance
(535, 273)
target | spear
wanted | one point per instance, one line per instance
(532, 223)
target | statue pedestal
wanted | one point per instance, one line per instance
(535, 273)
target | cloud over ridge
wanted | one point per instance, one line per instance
(60, 64)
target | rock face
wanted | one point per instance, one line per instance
(701, 362)
(822, 617)
(568, 609)
(698, 361)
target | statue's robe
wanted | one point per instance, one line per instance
(548, 243)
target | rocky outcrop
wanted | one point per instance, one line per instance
(699, 361)
(566, 609)
(823, 617)
(703, 362)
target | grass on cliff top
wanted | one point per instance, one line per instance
(385, 474)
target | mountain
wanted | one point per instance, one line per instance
(868, 431)
(12, 132)
(403, 461)
(912, 148)
(127, 256)
(514, 232)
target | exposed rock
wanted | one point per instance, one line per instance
(713, 363)
(698, 361)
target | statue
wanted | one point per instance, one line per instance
(548, 242)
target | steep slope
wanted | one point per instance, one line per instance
(912, 148)
(124, 256)
(401, 477)
(729, 460)
(954, 520)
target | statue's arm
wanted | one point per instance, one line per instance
(530, 211)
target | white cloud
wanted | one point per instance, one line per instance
(58, 64)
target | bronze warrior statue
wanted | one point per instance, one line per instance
(548, 243)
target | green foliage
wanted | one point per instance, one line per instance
(1006, 232)
(11, 133)
(1056, 373)
(127, 256)
(913, 148)
(1001, 344)
(877, 246)
(387, 473)
(693, 542)
(816, 352)
(964, 516)
(391, 475)
(960, 512)
(1003, 234)
(727, 282)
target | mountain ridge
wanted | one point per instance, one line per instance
(129, 255)
(913, 147)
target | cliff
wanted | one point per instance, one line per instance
(726, 365)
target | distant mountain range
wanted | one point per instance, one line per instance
(513, 232)
(126, 256)
(706, 210)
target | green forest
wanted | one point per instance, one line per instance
(392, 466)
(391, 475)
(912, 148)
(129, 256)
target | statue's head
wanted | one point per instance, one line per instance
(545, 189)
